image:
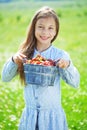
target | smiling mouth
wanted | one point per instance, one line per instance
(43, 37)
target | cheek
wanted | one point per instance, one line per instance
(53, 34)
(36, 33)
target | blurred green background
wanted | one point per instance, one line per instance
(15, 17)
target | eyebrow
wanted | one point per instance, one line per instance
(42, 25)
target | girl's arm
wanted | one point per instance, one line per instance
(9, 70)
(11, 66)
(68, 71)
(70, 75)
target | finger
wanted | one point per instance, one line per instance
(62, 63)
(22, 55)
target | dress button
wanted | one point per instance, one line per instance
(36, 97)
(38, 106)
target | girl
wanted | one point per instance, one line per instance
(43, 110)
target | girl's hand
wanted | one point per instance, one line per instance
(62, 63)
(18, 57)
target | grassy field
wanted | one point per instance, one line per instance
(14, 20)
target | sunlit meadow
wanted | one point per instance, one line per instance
(14, 20)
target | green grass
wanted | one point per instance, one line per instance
(72, 38)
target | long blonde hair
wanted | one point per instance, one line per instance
(28, 46)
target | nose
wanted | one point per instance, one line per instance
(45, 31)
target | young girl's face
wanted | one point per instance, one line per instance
(45, 30)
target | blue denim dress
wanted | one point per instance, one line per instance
(43, 110)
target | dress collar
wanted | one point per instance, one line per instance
(47, 49)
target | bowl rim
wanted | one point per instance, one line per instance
(26, 64)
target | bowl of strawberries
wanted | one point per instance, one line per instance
(40, 71)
